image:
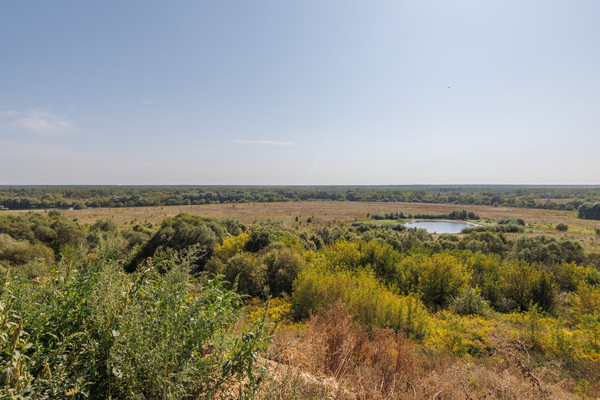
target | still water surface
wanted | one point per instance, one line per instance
(439, 226)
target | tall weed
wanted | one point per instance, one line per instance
(90, 330)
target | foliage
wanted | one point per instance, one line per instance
(40, 197)
(74, 324)
(546, 249)
(369, 301)
(179, 233)
(470, 302)
(283, 266)
(589, 210)
(270, 232)
(258, 240)
(562, 227)
(442, 278)
(231, 246)
(523, 285)
(504, 224)
(460, 335)
(112, 335)
(485, 242)
(329, 236)
(247, 272)
(587, 301)
(52, 230)
(454, 215)
(569, 276)
(23, 256)
(400, 240)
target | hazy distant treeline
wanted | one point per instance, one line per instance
(38, 197)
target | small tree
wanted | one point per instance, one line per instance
(248, 271)
(470, 302)
(562, 227)
(443, 277)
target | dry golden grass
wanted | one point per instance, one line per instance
(323, 212)
(333, 358)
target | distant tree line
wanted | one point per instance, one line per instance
(77, 197)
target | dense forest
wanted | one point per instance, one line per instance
(49, 197)
(204, 308)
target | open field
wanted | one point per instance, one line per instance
(323, 212)
(332, 212)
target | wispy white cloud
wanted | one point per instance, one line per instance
(28, 150)
(265, 142)
(38, 121)
(147, 101)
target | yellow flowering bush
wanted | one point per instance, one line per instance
(459, 335)
(231, 246)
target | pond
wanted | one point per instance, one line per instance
(439, 226)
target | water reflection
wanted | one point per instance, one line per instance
(439, 226)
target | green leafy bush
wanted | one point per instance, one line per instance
(562, 227)
(179, 233)
(522, 284)
(442, 278)
(92, 331)
(283, 266)
(470, 302)
(546, 249)
(248, 272)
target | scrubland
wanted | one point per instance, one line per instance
(297, 301)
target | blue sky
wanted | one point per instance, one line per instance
(300, 92)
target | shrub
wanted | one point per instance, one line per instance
(179, 233)
(589, 210)
(268, 233)
(587, 301)
(369, 301)
(231, 246)
(442, 278)
(248, 272)
(459, 335)
(545, 249)
(381, 257)
(283, 266)
(522, 284)
(21, 253)
(470, 302)
(136, 238)
(120, 336)
(569, 276)
(233, 226)
(257, 241)
(486, 242)
(52, 230)
(562, 227)
(511, 221)
(329, 236)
